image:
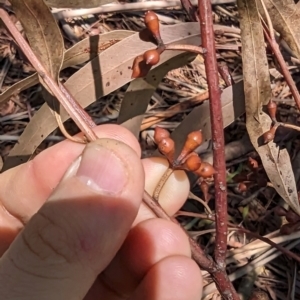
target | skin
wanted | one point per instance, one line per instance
(70, 231)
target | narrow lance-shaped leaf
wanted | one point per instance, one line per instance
(46, 42)
(42, 32)
(111, 72)
(257, 93)
(81, 52)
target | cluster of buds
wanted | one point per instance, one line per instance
(269, 135)
(143, 63)
(188, 159)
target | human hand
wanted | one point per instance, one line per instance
(93, 238)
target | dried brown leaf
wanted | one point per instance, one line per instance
(81, 52)
(42, 32)
(257, 93)
(46, 42)
(76, 3)
(110, 71)
(286, 20)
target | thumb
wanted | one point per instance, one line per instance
(78, 231)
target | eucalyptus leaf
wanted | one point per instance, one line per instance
(101, 76)
(81, 52)
(257, 88)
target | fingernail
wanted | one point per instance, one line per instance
(102, 170)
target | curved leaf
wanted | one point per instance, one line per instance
(81, 52)
(257, 88)
(42, 32)
(111, 70)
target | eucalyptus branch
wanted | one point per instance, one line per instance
(208, 42)
(198, 254)
(75, 111)
(161, 183)
(223, 283)
(189, 48)
(86, 125)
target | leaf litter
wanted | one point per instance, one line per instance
(173, 103)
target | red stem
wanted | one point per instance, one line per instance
(86, 125)
(75, 111)
(190, 10)
(208, 42)
(287, 75)
(207, 35)
(203, 260)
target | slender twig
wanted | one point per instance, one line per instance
(270, 36)
(269, 22)
(244, 230)
(5, 68)
(223, 283)
(156, 208)
(189, 48)
(190, 10)
(199, 50)
(225, 73)
(198, 254)
(208, 42)
(75, 113)
(15, 138)
(148, 5)
(192, 196)
(268, 241)
(290, 126)
(161, 183)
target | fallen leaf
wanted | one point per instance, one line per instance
(257, 89)
(110, 70)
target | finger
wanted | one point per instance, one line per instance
(79, 229)
(146, 244)
(25, 188)
(174, 278)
